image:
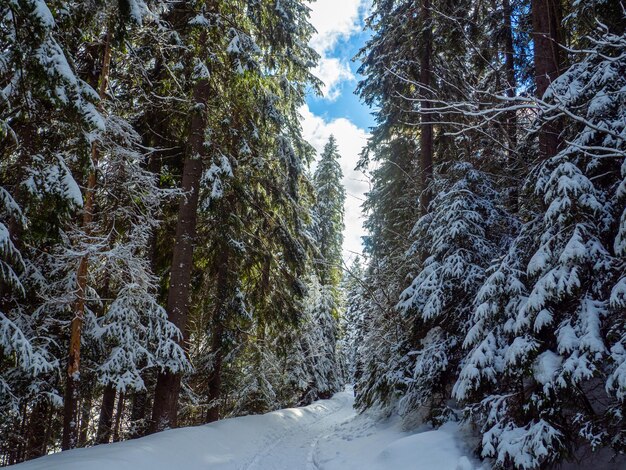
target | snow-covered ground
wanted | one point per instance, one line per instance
(326, 435)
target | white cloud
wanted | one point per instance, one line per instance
(350, 140)
(334, 20)
(333, 73)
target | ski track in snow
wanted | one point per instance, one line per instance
(327, 435)
(301, 441)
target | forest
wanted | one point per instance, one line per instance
(171, 244)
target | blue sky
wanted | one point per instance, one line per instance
(339, 112)
(346, 104)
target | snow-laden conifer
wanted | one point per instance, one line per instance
(457, 239)
(543, 371)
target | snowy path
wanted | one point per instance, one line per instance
(296, 447)
(327, 435)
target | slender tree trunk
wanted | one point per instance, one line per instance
(49, 427)
(426, 129)
(14, 442)
(21, 447)
(118, 417)
(511, 91)
(215, 379)
(164, 411)
(137, 414)
(217, 337)
(509, 64)
(85, 418)
(37, 442)
(259, 404)
(105, 423)
(70, 405)
(546, 19)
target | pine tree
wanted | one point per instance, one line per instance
(352, 321)
(413, 137)
(320, 374)
(164, 412)
(457, 238)
(48, 112)
(254, 190)
(157, 211)
(329, 211)
(542, 333)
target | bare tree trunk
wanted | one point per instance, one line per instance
(118, 417)
(21, 447)
(49, 427)
(511, 91)
(426, 129)
(14, 442)
(215, 379)
(217, 337)
(546, 19)
(509, 64)
(138, 414)
(105, 423)
(85, 418)
(164, 411)
(70, 403)
(37, 442)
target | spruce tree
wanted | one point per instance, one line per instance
(48, 112)
(542, 336)
(328, 213)
(254, 196)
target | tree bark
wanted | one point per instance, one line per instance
(37, 433)
(85, 418)
(509, 64)
(105, 423)
(546, 19)
(138, 414)
(217, 337)
(21, 443)
(164, 411)
(426, 129)
(511, 91)
(70, 401)
(118, 417)
(215, 379)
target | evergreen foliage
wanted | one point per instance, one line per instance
(510, 314)
(168, 258)
(330, 199)
(119, 122)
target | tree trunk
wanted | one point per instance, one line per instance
(85, 419)
(546, 19)
(217, 336)
(21, 445)
(105, 422)
(509, 64)
(511, 91)
(164, 411)
(138, 414)
(118, 417)
(37, 443)
(49, 426)
(70, 401)
(15, 438)
(426, 129)
(215, 379)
